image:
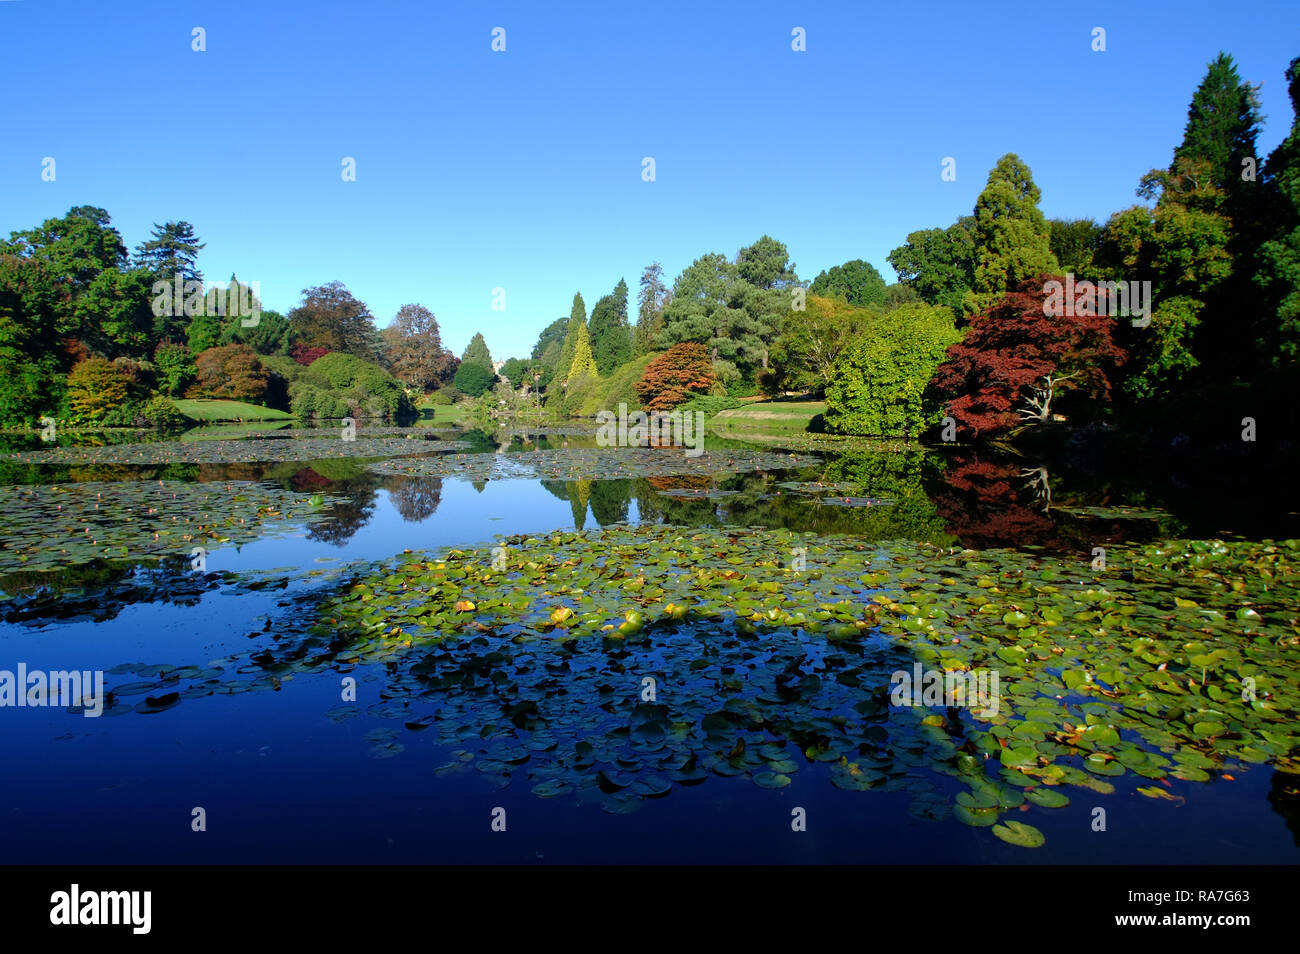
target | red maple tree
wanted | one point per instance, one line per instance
(1015, 356)
(675, 376)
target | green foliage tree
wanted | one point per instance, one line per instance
(938, 264)
(1074, 242)
(856, 282)
(172, 249)
(477, 350)
(33, 363)
(880, 384)
(1011, 236)
(651, 299)
(608, 330)
(806, 354)
(473, 378)
(1278, 273)
(176, 369)
(515, 370)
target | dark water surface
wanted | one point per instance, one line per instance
(285, 776)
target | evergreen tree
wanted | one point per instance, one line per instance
(1222, 123)
(651, 299)
(577, 319)
(583, 362)
(856, 282)
(1011, 235)
(173, 248)
(610, 336)
(1279, 271)
(477, 352)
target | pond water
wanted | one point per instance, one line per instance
(371, 650)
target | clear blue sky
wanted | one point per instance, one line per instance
(522, 169)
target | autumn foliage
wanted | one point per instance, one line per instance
(232, 371)
(675, 376)
(1011, 348)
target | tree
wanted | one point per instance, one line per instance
(176, 370)
(584, 363)
(172, 249)
(608, 331)
(413, 347)
(473, 378)
(1012, 348)
(96, 387)
(232, 371)
(75, 248)
(477, 350)
(810, 347)
(1278, 275)
(1222, 124)
(856, 282)
(879, 385)
(675, 376)
(1010, 234)
(552, 334)
(938, 264)
(1074, 242)
(516, 370)
(331, 318)
(577, 319)
(651, 299)
(33, 363)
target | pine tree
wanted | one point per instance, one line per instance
(651, 299)
(1222, 123)
(173, 248)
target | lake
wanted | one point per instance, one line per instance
(390, 649)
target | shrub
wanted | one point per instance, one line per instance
(162, 413)
(674, 376)
(438, 398)
(96, 387)
(606, 394)
(880, 385)
(342, 385)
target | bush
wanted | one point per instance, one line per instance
(674, 376)
(175, 367)
(473, 378)
(438, 398)
(96, 387)
(163, 414)
(340, 385)
(711, 405)
(619, 388)
(880, 385)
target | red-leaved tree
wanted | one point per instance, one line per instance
(1015, 360)
(675, 376)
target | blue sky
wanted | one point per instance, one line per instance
(522, 170)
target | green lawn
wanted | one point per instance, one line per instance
(775, 418)
(431, 414)
(205, 409)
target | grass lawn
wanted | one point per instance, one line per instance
(768, 417)
(205, 409)
(431, 414)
